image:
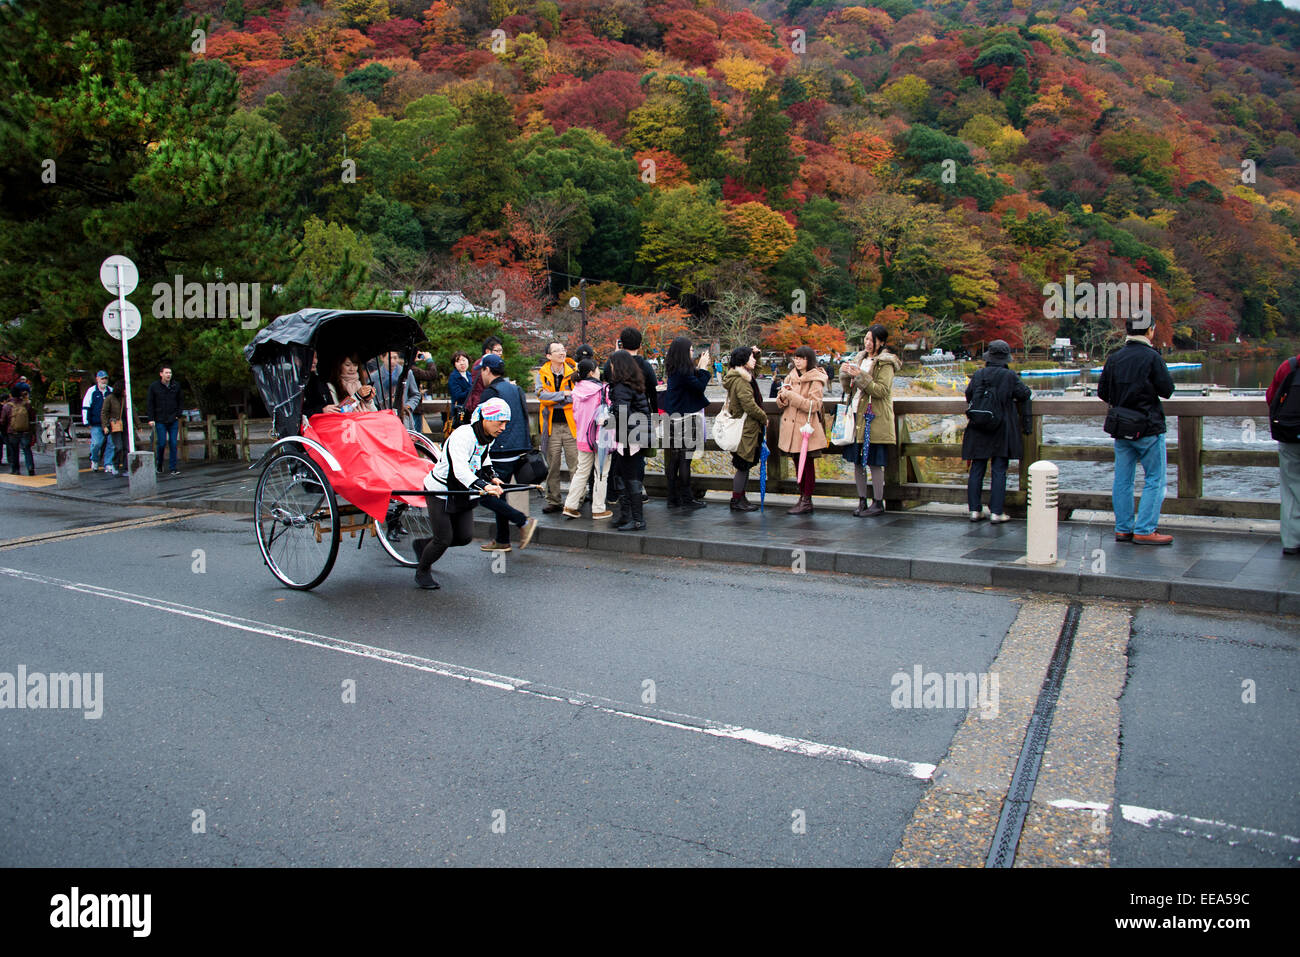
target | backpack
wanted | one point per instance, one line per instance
(1284, 410)
(984, 413)
(20, 419)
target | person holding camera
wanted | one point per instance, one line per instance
(1133, 381)
(684, 397)
(800, 399)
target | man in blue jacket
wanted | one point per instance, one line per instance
(1132, 383)
(92, 414)
(506, 451)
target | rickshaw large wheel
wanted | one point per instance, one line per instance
(414, 522)
(297, 519)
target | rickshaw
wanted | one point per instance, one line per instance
(299, 513)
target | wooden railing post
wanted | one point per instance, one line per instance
(241, 438)
(1189, 456)
(210, 439)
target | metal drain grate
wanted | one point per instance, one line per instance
(1015, 808)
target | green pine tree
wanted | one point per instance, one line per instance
(700, 146)
(770, 161)
(112, 140)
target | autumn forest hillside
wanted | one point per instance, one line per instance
(802, 168)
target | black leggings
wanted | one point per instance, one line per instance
(449, 528)
(630, 468)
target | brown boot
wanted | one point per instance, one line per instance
(861, 509)
(804, 507)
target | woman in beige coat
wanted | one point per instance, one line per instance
(868, 382)
(800, 399)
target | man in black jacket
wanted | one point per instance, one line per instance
(163, 408)
(1133, 382)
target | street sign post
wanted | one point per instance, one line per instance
(122, 320)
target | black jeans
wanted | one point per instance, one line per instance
(454, 528)
(506, 513)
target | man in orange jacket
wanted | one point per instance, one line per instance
(555, 398)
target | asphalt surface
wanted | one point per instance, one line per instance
(507, 719)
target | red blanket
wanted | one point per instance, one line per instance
(376, 454)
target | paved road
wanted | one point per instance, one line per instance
(599, 709)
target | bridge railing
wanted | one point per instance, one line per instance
(905, 472)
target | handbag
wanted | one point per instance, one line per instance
(532, 468)
(1122, 423)
(115, 426)
(728, 430)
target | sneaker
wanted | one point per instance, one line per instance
(694, 503)
(1155, 538)
(526, 533)
(999, 518)
(571, 512)
(980, 515)
(174, 472)
(605, 514)
(494, 547)
(424, 578)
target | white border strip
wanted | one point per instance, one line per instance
(487, 679)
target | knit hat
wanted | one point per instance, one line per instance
(493, 410)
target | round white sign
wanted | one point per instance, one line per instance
(574, 302)
(108, 275)
(114, 323)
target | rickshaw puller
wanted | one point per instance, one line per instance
(465, 466)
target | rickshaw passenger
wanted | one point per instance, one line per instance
(465, 468)
(348, 390)
(315, 392)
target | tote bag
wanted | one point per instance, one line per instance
(728, 430)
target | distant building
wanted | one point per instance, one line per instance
(441, 300)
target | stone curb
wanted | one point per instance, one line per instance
(1008, 575)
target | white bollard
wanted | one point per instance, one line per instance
(1040, 543)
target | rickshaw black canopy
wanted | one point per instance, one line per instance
(281, 353)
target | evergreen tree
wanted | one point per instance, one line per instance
(700, 145)
(487, 178)
(113, 141)
(769, 159)
(1017, 96)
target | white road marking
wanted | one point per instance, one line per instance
(487, 679)
(1185, 824)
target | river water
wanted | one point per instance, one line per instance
(1218, 433)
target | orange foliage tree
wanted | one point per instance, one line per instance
(658, 318)
(793, 331)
